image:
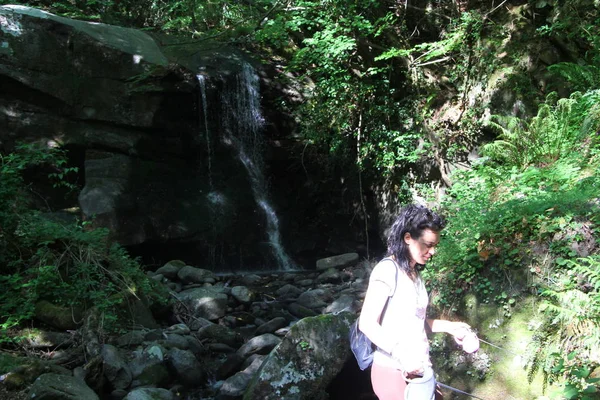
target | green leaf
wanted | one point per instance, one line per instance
(570, 391)
(582, 372)
(590, 389)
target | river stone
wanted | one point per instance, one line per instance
(314, 299)
(138, 312)
(304, 282)
(271, 326)
(60, 387)
(220, 334)
(305, 362)
(147, 366)
(115, 368)
(203, 302)
(262, 344)
(288, 291)
(220, 348)
(242, 294)
(198, 323)
(40, 338)
(24, 375)
(189, 274)
(195, 345)
(231, 364)
(170, 269)
(131, 339)
(331, 275)
(339, 261)
(300, 311)
(185, 367)
(343, 303)
(150, 394)
(178, 329)
(234, 386)
(250, 279)
(175, 341)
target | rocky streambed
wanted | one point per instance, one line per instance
(258, 336)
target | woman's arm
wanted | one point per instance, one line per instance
(456, 329)
(370, 316)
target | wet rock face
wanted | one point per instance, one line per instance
(151, 171)
(154, 132)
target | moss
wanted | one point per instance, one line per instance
(507, 375)
(9, 362)
(15, 381)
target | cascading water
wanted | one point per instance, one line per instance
(202, 84)
(242, 123)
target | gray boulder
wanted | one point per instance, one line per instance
(63, 318)
(234, 386)
(60, 387)
(305, 362)
(242, 294)
(339, 261)
(345, 302)
(271, 326)
(203, 302)
(262, 344)
(288, 291)
(300, 311)
(115, 367)
(330, 275)
(185, 367)
(147, 366)
(220, 334)
(170, 269)
(189, 274)
(150, 394)
(315, 299)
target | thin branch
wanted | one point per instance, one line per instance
(439, 60)
(494, 9)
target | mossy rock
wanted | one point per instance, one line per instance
(505, 348)
(63, 318)
(310, 356)
(21, 371)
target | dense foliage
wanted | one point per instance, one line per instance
(390, 85)
(523, 221)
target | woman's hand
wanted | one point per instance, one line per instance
(459, 330)
(410, 359)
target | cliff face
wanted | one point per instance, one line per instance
(133, 119)
(174, 153)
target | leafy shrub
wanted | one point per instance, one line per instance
(65, 264)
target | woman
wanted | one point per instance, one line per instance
(394, 311)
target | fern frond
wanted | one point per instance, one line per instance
(582, 77)
(588, 267)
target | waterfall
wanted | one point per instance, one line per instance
(202, 84)
(242, 122)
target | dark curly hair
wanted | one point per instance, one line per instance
(413, 219)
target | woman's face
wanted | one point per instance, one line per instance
(423, 248)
